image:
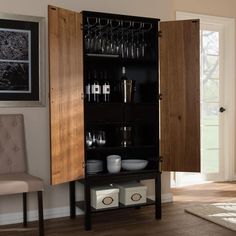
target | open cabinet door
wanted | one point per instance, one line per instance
(66, 88)
(180, 95)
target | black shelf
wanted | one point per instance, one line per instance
(105, 177)
(100, 149)
(81, 205)
(117, 58)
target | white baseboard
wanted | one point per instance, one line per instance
(17, 217)
(165, 198)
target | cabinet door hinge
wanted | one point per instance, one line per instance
(82, 96)
(160, 164)
(83, 165)
(159, 33)
(160, 96)
(81, 27)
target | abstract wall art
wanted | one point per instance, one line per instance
(22, 74)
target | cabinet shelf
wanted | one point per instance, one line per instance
(81, 205)
(121, 113)
(114, 148)
(137, 175)
(115, 57)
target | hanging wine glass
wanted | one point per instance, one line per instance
(89, 41)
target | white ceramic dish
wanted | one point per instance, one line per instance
(134, 164)
(94, 166)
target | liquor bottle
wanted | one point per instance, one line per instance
(96, 89)
(106, 89)
(88, 88)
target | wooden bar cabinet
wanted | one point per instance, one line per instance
(163, 60)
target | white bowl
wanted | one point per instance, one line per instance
(113, 158)
(134, 164)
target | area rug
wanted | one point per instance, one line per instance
(223, 214)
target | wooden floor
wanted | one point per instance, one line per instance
(175, 222)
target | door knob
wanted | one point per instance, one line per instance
(222, 109)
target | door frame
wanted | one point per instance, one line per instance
(229, 85)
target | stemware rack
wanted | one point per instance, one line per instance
(114, 38)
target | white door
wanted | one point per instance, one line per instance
(217, 100)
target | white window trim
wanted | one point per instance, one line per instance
(229, 67)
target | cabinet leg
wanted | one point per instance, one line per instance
(158, 196)
(72, 199)
(88, 215)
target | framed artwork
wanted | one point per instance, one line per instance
(22, 61)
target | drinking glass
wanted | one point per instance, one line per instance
(89, 141)
(101, 138)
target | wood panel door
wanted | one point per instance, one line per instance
(66, 88)
(180, 90)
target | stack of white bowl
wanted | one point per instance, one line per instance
(94, 166)
(113, 164)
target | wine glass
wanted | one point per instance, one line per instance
(89, 140)
(101, 138)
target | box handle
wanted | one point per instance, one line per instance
(136, 197)
(107, 201)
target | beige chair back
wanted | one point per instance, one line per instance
(12, 144)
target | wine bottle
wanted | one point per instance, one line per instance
(96, 89)
(106, 89)
(88, 88)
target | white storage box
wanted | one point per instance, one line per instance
(104, 197)
(132, 193)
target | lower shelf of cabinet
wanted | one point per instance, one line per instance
(81, 205)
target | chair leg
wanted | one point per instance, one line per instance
(24, 209)
(40, 213)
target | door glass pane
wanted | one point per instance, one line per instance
(210, 66)
(210, 161)
(209, 113)
(210, 42)
(210, 96)
(210, 137)
(210, 90)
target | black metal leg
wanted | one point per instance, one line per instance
(72, 199)
(87, 206)
(25, 209)
(158, 196)
(40, 213)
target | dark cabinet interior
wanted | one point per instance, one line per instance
(140, 115)
(131, 128)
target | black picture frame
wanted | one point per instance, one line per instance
(22, 73)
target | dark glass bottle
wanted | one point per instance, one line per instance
(106, 89)
(88, 88)
(96, 89)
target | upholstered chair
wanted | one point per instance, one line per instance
(14, 178)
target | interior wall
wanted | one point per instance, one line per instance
(37, 118)
(220, 8)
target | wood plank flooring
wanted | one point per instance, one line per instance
(134, 222)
